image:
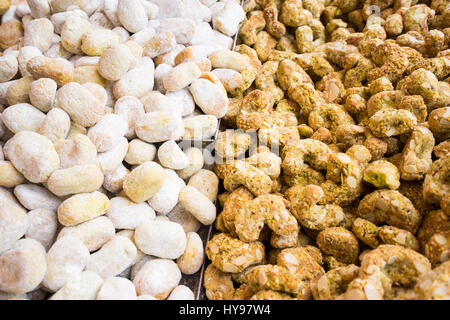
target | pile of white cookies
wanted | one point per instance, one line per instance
(97, 199)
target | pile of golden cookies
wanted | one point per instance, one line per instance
(345, 191)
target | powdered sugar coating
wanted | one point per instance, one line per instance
(157, 278)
